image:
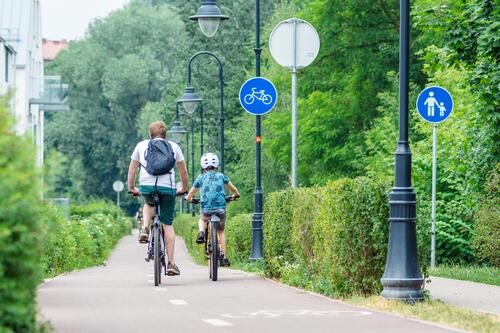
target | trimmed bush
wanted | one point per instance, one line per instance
(486, 238)
(83, 241)
(20, 236)
(239, 237)
(332, 239)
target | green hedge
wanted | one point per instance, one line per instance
(20, 229)
(486, 237)
(332, 239)
(85, 240)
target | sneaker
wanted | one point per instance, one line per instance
(144, 235)
(201, 238)
(172, 269)
(225, 262)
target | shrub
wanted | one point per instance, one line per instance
(81, 241)
(332, 239)
(20, 236)
(239, 237)
(486, 238)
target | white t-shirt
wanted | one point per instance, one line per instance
(145, 178)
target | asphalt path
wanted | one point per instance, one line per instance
(121, 297)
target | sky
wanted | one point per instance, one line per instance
(68, 19)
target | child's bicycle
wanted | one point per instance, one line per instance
(212, 246)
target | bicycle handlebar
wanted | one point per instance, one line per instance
(230, 198)
(138, 195)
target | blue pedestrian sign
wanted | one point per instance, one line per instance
(435, 104)
(258, 96)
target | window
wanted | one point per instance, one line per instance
(7, 64)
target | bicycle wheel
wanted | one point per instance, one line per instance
(214, 256)
(157, 254)
(249, 99)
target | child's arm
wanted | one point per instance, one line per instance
(233, 189)
(192, 192)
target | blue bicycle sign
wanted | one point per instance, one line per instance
(258, 96)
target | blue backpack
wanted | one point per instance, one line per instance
(159, 158)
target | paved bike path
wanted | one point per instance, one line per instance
(120, 297)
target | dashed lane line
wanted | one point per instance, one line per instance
(217, 322)
(178, 302)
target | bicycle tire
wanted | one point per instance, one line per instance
(157, 253)
(214, 256)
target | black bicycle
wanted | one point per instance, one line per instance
(156, 241)
(212, 246)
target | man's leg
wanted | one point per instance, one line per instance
(169, 233)
(147, 216)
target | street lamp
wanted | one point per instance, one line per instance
(402, 279)
(256, 253)
(177, 130)
(190, 99)
(209, 16)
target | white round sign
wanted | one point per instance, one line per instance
(118, 186)
(294, 43)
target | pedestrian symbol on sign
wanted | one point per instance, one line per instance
(435, 104)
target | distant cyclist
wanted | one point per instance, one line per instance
(165, 184)
(211, 184)
(138, 217)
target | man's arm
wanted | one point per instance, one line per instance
(132, 169)
(181, 166)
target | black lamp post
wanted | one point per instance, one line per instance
(402, 278)
(256, 253)
(257, 236)
(177, 130)
(209, 16)
(190, 99)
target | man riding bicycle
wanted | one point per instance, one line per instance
(212, 198)
(164, 184)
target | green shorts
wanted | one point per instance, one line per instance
(167, 201)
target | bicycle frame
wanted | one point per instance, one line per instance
(156, 225)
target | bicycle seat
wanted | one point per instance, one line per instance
(215, 218)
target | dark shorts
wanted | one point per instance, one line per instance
(167, 201)
(221, 213)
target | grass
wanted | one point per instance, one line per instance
(487, 275)
(433, 311)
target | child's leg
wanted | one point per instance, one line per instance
(202, 224)
(222, 240)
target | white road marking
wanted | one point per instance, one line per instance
(279, 313)
(149, 275)
(217, 322)
(160, 288)
(178, 302)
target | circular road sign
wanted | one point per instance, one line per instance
(294, 43)
(118, 186)
(434, 104)
(258, 96)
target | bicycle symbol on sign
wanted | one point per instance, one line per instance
(259, 95)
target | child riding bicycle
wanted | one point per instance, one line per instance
(211, 184)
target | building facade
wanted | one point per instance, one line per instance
(7, 71)
(20, 26)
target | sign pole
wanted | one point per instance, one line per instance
(294, 107)
(434, 171)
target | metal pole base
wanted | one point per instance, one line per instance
(402, 279)
(256, 237)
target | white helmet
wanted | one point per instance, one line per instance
(209, 160)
